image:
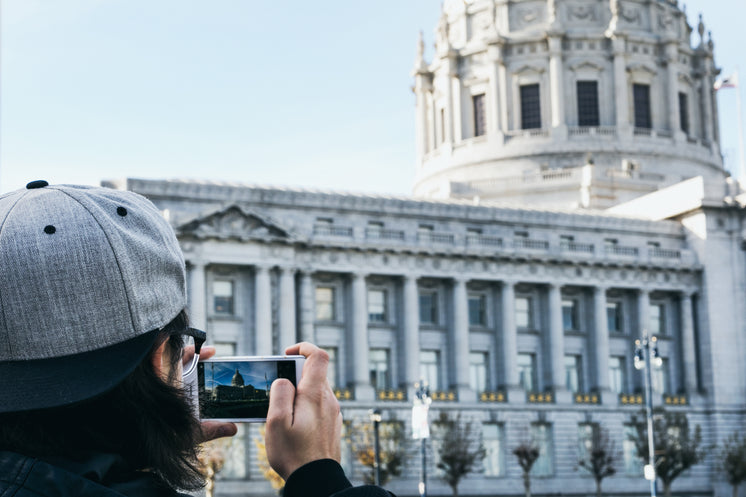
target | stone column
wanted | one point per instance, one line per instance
(495, 86)
(643, 312)
(509, 343)
(197, 295)
(707, 97)
(674, 120)
(460, 341)
(601, 339)
(262, 311)
(688, 344)
(556, 338)
(307, 302)
(556, 85)
(621, 90)
(421, 89)
(410, 337)
(359, 365)
(286, 325)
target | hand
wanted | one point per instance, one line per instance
(210, 429)
(303, 424)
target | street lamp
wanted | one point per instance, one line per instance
(375, 417)
(420, 428)
(646, 355)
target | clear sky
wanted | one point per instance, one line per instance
(313, 94)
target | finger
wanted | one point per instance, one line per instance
(206, 352)
(210, 430)
(281, 398)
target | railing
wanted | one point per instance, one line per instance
(435, 237)
(392, 395)
(484, 240)
(539, 397)
(586, 398)
(447, 396)
(643, 132)
(498, 396)
(675, 400)
(526, 133)
(621, 250)
(664, 253)
(324, 230)
(527, 243)
(592, 131)
(585, 248)
(384, 234)
(344, 394)
(636, 399)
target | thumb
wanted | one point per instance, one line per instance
(281, 403)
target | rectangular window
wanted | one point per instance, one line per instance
(657, 319)
(587, 434)
(566, 241)
(223, 349)
(477, 310)
(684, 112)
(428, 308)
(222, 294)
(374, 230)
(588, 114)
(632, 465)
(641, 97)
(429, 367)
(527, 372)
(478, 375)
(377, 306)
(573, 373)
(442, 125)
(379, 369)
(530, 106)
(524, 312)
(570, 315)
(541, 435)
(614, 316)
(325, 310)
(493, 437)
(332, 370)
(662, 377)
(617, 374)
(478, 106)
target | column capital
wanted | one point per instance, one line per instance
(287, 269)
(600, 288)
(262, 267)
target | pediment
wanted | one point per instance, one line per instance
(237, 223)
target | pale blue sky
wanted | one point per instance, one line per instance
(294, 93)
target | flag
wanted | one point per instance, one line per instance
(727, 82)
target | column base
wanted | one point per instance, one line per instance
(364, 392)
(563, 396)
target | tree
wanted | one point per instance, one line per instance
(733, 459)
(362, 439)
(599, 455)
(527, 453)
(211, 459)
(459, 448)
(677, 448)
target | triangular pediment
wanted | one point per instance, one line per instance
(237, 223)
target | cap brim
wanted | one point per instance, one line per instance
(59, 381)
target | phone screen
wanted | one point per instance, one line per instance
(237, 389)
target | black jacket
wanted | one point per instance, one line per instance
(104, 475)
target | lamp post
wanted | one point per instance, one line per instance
(420, 428)
(375, 417)
(643, 360)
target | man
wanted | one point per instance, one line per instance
(92, 320)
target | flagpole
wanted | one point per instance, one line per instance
(742, 155)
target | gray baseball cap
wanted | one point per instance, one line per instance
(86, 275)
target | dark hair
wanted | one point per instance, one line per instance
(144, 419)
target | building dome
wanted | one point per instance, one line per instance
(575, 104)
(237, 380)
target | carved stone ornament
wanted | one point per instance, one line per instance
(234, 222)
(583, 12)
(631, 15)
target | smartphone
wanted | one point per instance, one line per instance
(236, 389)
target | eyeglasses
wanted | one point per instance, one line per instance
(193, 336)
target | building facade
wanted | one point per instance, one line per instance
(594, 123)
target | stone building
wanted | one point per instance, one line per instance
(593, 123)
